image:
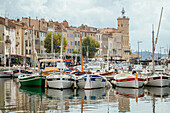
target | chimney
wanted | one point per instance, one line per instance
(29, 21)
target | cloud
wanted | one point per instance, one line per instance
(100, 13)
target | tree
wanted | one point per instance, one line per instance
(56, 42)
(75, 51)
(92, 45)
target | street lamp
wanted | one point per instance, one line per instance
(138, 48)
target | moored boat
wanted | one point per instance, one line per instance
(60, 80)
(91, 81)
(32, 80)
(158, 80)
(5, 74)
(128, 80)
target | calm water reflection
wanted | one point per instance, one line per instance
(23, 99)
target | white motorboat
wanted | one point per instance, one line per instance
(60, 80)
(158, 80)
(128, 80)
(91, 81)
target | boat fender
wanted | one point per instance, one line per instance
(145, 82)
(113, 82)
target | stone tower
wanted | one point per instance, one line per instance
(123, 25)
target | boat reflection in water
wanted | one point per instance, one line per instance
(59, 100)
(162, 92)
(130, 92)
(60, 94)
(32, 90)
(125, 95)
(95, 94)
(157, 95)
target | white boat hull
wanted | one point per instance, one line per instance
(60, 84)
(91, 82)
(158, 81)
(60, 81)
(131, 83)
(5, 74)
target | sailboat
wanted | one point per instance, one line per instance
(159, 80)
(60, 80)
(87, 80)
(32, 79)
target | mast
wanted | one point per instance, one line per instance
(61, 49)
(108, 59)
(25, 55)
(153, 50)
(154, 43)
(81, 53)
(33, 49)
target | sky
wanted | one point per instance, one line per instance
(100, 14)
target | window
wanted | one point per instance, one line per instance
(67, 35)
(37, 34)
(41, 51)
(72, 50)
(29, 51)
(29, 43)
(68, 43)
(67, 50)
(71, 43)
(26, 51)
(71, 35)
(75, 35)
(121, 25)
(75, 43)
(78, 43)
(41, 42)
(38, 51)
(37, 42)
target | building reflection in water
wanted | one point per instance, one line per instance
(24, 99)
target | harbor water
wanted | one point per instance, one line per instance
(14, 98)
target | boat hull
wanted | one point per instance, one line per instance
(32, 82)
(93, 82)
(5, 74)
(59, 84)
(158, 81)
(130, 82)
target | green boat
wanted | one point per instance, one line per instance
(32, 80)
